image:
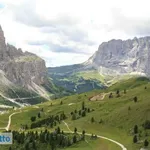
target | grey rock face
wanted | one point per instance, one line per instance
(121, 57)
(2, 45)
(23, 69)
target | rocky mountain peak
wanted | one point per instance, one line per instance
(2, 45)
(121, 57)
(22, 68)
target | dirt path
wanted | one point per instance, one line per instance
(9, 122)
(99, 97)
(121, 145)
(13, 100)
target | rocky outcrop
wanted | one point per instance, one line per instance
(122, 57)
(22, 68)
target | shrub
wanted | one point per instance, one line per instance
(33, 118)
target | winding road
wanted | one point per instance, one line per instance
(9, 122)
(122, 146)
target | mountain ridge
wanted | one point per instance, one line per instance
(114, 60)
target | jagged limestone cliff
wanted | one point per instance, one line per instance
(122, 57)
(21, 69)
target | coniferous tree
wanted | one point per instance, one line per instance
(34, 145)
(92, 119)
(117, 92)
(83, 106)
(39, 115)
(58, 130)
(26, 146)
(61, 102)
(33, 118)
(135, 99)
(79, 112)
(75, 111)
(146, 143)
(129, 108)
(125, 91)
(10, 148)
(74, 139)
(135, 129)
(110, 95)
(75, 130)
(135, 139)
(74, 116)
(83, 132)
(83, 113)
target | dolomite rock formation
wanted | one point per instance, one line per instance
(117, 57)
(22, 68)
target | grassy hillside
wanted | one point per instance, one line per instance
(113, 117)
(75, 81)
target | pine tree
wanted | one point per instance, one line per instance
(83, 113)
(33, 118)
(79, 112)
(146, 143)
(10, 148)
(39, 115)
(83, 106)
(135, 99)
(34, 145)
(75, 111)
(125, 91)
(26, 146)
(83, 132)
(117, 92)
(135, 139)
(58, 130)
(129, 108)
(74, 139)
(74, 116)
(110, 95)
(92, 120)
(75, 130)
(135, 129)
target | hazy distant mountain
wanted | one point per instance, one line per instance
(122, 57)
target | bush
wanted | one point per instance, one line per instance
(33, 118)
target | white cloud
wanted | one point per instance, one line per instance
(69, 31)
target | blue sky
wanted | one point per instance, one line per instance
(1, 5)
(65, 32)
